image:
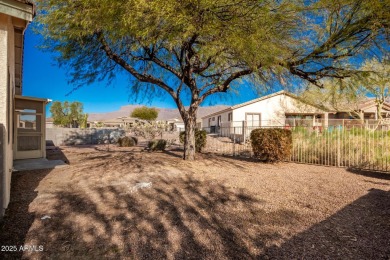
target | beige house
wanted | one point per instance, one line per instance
(270, 110)
(284, 109)
(22, 118)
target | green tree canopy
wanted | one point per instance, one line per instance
(193, 49)
(372, 81)
(145, 113)
(68, 114)
(376, 81)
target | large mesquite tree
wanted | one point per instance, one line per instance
(193, 49)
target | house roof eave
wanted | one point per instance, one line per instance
(218, 112)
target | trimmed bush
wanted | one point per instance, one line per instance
(200, 139)
(271, 144)
(157, 145)
(126, 141)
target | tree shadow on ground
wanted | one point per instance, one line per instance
(171, 153)
(176, 218)
(360, 230)
(372, 174)
(18, 219)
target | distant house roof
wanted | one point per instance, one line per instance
(361, 105)
(370, 103)
(282, 92)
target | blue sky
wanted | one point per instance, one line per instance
(43, 78)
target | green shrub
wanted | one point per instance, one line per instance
(271, 144)
(157, 145)
(200, 139)
(126, 141)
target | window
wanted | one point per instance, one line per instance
(219, 121)
(213, 119)
(253, 119)
(28, 120)
(230, 117)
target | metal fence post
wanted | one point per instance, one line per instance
(243, 132)
(338, 148)
(234, 141)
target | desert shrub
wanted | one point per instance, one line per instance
(271, 144)
(126, 142)
(135, 139)
(200, 139)
(157, 145)
(148, 130)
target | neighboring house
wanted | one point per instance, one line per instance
(282, 109)
(366, 110)
(270, 110)
(22, 119)
(175, 124)
(119, 122)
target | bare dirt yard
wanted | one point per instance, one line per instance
(126, 203)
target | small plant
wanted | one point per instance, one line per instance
(200, 139)
(126, 142)
(271, 144)
(157, 145)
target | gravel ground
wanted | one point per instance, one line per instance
(125, 203)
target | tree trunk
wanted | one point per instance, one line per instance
(189, 137)
(379, 108)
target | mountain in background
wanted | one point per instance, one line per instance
(163, 114)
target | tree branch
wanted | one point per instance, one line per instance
(162, 64)
(225, 85)
(141, 77)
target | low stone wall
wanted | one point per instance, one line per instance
(75, 136)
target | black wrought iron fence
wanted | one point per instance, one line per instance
(363, 146)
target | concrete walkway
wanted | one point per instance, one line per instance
(37, 164)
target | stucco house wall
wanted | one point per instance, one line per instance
(13, 15)
(273, 110)
(6, 82)
(214, 119)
